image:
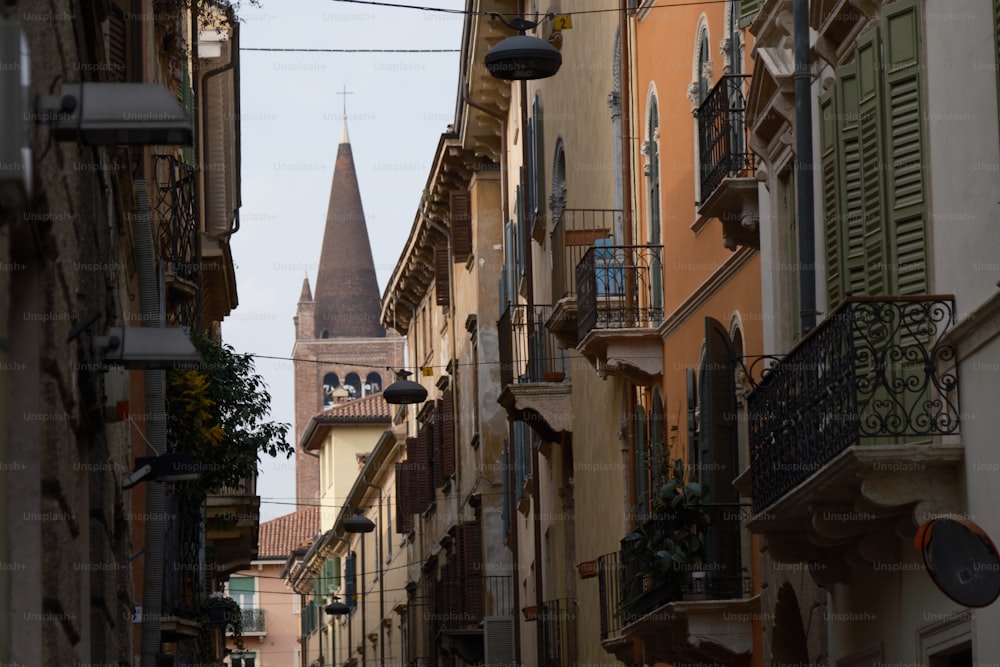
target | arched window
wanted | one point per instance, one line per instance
(373, 384)
(557, 201)
(325, 334)
(704, 75)
(330, 382)
(352, 383)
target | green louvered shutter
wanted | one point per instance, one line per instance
(831, 208)
(748, 11)
(905, 199)
(870, 132)
(851, 183)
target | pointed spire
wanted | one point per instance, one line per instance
(347, 296)
(306, 294)
(344, 139)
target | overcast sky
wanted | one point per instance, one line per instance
(399, 105)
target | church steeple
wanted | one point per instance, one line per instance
(346, 295)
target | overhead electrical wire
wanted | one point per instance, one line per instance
(457, 12)
(463, 12)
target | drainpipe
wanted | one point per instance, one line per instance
(624, 61)
(804, 168)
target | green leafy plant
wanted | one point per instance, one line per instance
(673, 534)
(218, 611)
(217, 413)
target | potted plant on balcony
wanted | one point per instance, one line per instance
(218, 614)
(669, 544)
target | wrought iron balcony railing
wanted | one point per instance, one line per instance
(619, 287)
(723, 146)
(575, 231)
(499, 595)
(527, 349)
(186, 571)
(632, 586)
(869, 374)
(253, 621)
(178, 237)
(558, 619)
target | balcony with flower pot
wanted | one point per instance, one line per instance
(678, 587)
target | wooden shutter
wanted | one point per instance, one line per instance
(831, 207)
(446, 425)
(425, 484)
(472, 570)
(720, 446)
(404, 498)
(537, 170)
(905, 153)
(451, 580)
(872, 171)
(431, 618)
(748, 11)
(657, 441)
(441, 267)
(460, 207)
(505, 488)
(437, 457)
(117, 45)
(508, 275)
(692, 410)
(851, 183)
(641, 472)
(350, 580)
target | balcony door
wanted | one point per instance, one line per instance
(717, 463)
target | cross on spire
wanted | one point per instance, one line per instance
(345, 93)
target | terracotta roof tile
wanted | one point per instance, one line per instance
(278, 537)
(371, 409)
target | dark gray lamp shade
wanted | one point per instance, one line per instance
(338, 608)
(403, 391)
(359, 524)
(522, 57)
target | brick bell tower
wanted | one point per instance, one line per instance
(341, 349)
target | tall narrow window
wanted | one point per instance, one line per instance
(718, 445)
(704, 76)
(653, 196)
